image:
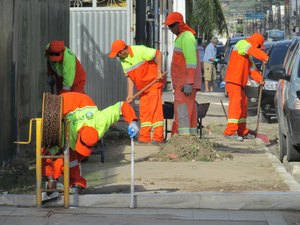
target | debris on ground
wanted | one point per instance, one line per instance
(190, 148)
(18, 176)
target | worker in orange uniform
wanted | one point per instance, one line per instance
(87, 125)
(64, 69)
(142, 65)
(240, 66)
(186, 75)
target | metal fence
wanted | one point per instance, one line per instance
(26, 27)
(92, 31)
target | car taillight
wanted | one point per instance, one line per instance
(270, 85)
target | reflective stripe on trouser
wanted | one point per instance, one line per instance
(75, 174)
(185, 114)
(237, 110)
(151, 116)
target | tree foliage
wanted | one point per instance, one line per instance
(209, 16)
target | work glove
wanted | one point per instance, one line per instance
(187, 89)
(133, 129)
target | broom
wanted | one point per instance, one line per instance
(260, 136)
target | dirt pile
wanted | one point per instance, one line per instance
(190, 148)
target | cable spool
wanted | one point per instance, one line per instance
(52, 120)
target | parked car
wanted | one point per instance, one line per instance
(201, 51)
(220, 50)
(287, 102)
(220, 55)
(275, 35)
(277, 52)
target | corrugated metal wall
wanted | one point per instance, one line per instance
(92, 30)
(26, 27)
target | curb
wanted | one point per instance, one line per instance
(199, 200)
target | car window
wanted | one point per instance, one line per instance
(290, 60)
(295, 67)
(228, 53)
(277, 55)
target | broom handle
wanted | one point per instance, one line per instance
(258, 107)
(146, 87)
(223, 109)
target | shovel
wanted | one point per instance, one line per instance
(263, 137)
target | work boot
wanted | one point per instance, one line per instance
(75, 189)
(249, 136)
(49, 196)
(157, 143)
(234, 137)
(142, 143)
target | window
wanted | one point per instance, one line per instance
(98, 3)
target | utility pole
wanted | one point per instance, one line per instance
(297, 18)
(270, 18)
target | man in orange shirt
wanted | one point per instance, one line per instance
(87, 125)
(142, 65)
(240, 66)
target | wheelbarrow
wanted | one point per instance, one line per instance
(168, 110)
(202, 109)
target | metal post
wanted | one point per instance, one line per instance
(132, 176)
(38, 162)
(67, 166)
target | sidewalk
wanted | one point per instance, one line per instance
(252, 161)
(121, 216)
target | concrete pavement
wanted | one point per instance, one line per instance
(187, 202)
(162, 216)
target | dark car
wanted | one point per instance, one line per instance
(287, 102)
(277, 54)
(252, 87)
(220, 50)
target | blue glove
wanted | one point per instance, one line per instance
(222, 84)
(187, 89)
(133, 129)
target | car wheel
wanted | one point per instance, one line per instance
(282, 146)
(264, 118)
(292, 153)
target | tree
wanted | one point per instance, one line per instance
(209, 16)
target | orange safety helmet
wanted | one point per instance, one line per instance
(174, 17)
(116, 47)
(55, 51)
(86, 139)
(257, 39)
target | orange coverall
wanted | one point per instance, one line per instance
(143, 71)
(71, 102)
(185, 69)
(240, 66)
